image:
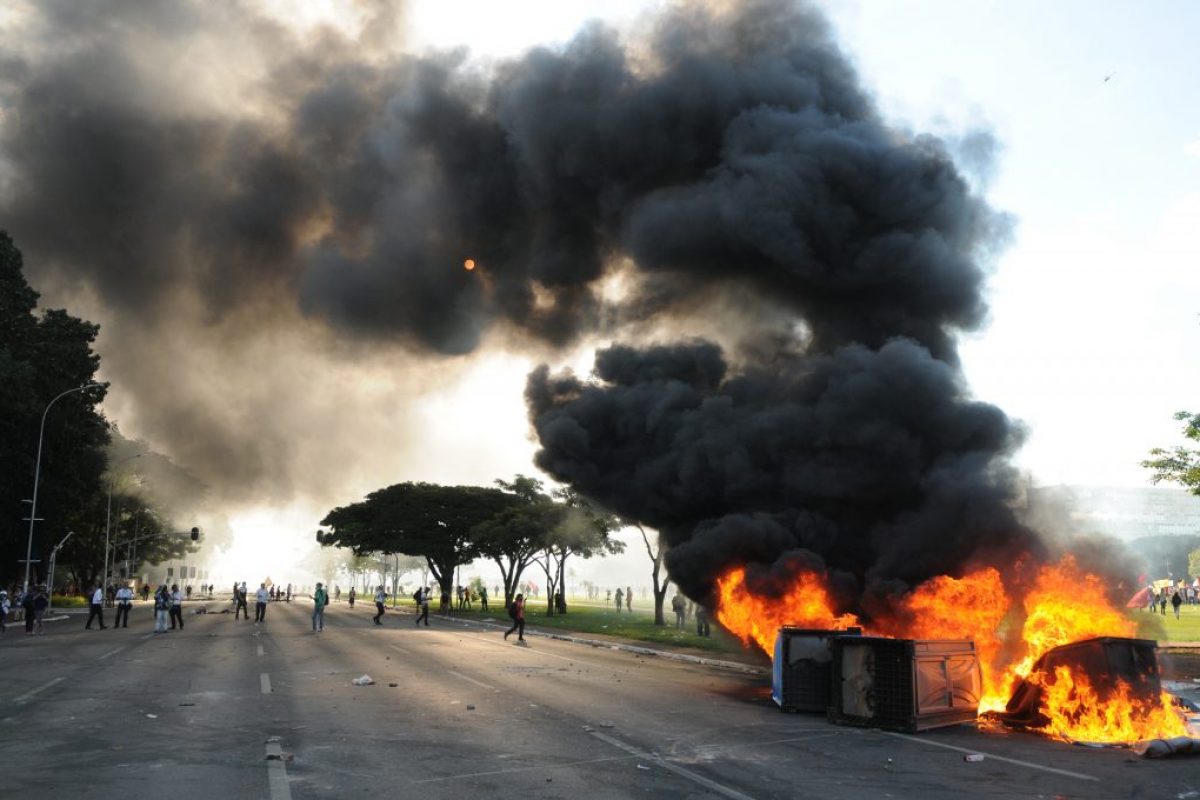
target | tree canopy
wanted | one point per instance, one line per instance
(1178, 464)
(418, 519)
(42, 355)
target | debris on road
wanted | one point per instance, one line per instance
(1160, 748)
(365, 680)
(288, 757)
(470, 708)
(152, 716)
(642, 766)
(393, 685)
(186, 704)
(273, 739)
(606, 724)
(974, 758)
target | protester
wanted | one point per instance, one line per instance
(4, 606)
(422, 598)
(517, 613)
(162, 607)
(260, 605)
(97, 608)
(320, 600)
(679, 606)
(1176, 601)
(351, 597)
(380, 598)
(27, 607)
(124, 603)
(629, 599)
(337, 591)
(620, 597)
(483, 598)
(239, 600)
(41, 601)
(702, 628)
(176, 607)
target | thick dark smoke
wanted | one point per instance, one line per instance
(248, 208)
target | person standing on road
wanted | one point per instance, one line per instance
(422, 599)
(97, 609)
(26, 603)
(162, 607)
(517, 612)
(124, 603)
(41, 601)
(380, 599)
(320, 600)
(176, 606)
(260, 603)
(239, 600)
(352, 596)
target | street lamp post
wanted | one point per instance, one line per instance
(53, 560)
(108, 514)
(37, 472)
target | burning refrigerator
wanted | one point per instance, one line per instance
(801, 671)
(903, 684)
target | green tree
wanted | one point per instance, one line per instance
(1178, 464)
(583, 531)
(417, 519)
(656, 553)
(515, 536)
(40, 357)
(1194, 563)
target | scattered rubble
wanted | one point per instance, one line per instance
(365, 680)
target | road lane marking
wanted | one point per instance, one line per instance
(25, 697)
(265, 681)
(111, 653)
(400, 650)
(532, 652)
(469, 679)
(260, 651)
(1016, 761)
(720, 789)
(150, 634)
(564, 765)
(277, 773)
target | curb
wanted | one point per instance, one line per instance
(736, 666)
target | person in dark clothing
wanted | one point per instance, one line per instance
(702, 628)
(239, 597)
(97, 609)
(352, 595)
(483, 598)
(423, 605)
(517, 612)
(27, 601)
(1176, 601)
(1162, 602)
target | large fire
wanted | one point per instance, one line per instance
(1062, 604)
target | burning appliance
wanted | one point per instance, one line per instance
(1105, 661)
(801, 672)
(903, 684)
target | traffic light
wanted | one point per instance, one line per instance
(195, 534)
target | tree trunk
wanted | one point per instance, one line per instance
(660, 592)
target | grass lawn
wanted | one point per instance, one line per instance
(1169, 629)
(637, 625)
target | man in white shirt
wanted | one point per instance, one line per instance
(124, 603)
(260, 606)
(97, 609)
(176, 606)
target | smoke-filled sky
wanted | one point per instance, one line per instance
(268, 212)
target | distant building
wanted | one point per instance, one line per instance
(1121, 512)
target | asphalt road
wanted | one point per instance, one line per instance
(196, 713)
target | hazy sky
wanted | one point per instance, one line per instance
(1093, 320)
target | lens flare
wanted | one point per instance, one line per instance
(469, 264)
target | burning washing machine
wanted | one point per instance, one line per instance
(801, 672)
(903, 684)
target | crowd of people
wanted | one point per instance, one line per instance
(1175, 595)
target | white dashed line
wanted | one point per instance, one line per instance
(1018, 762)
(265, 680)
(260, 651)
(469, 679)
(277, 773)
(28, 695)
(734, 794)
(111, 653)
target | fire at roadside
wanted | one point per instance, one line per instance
(1048, 655)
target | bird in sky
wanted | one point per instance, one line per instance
(1108, 77)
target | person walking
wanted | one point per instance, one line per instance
(620, 599)
(239, 599)
(337, 591)
(483, 598)
(517, 613)
(26, 603)
(351, 597)
(162, 607)
(176, 606)
(124, 603)
(41, 601)
(320, 600)
(422, 599)
(380, 599)
(260, 603)
(1176, 601)
(679, 606)
(97, 609)
(702, 628)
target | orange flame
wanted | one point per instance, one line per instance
(754, 617)
(1064, 604)
(1078, 713)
